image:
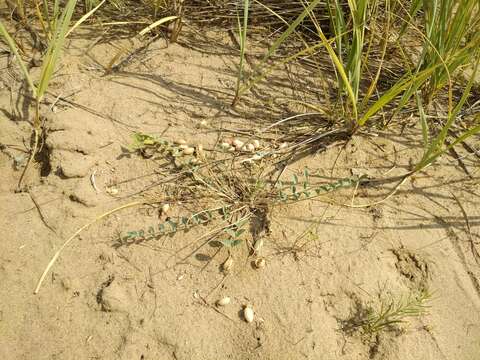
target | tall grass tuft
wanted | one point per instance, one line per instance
(50, 59)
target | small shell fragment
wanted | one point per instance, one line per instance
(165, 208)
(189, 151)
(224, 301)
(256, 144)
(180, 142)
(227, 265)
(248, 313)
(260, 263)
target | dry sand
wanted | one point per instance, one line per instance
(156, 300)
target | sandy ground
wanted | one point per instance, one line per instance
(156, 300)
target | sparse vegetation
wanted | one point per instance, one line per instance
(361, 68)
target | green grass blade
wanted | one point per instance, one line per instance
(423, 121)
(13, 47)
(55, 48)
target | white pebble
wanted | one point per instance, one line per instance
(260, 263)
(248, 313)
(165, 208)
(250, 147)
(237, 143)
(189, 151)
(180, 142)
(224, 301)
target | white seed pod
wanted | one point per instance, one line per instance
(250, 147)
(256, 144)
(237, 143)
(260, 263)
(183, 146)
(228, 264)
(258, 245)
(180, 142)
(189, 151)
(223, 301)
(248, 313)
(165, 208)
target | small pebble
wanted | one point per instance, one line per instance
(224, 301)
(248, 314)
(183, 146)
(237, 143)
(189, 151)
(260, 263)
(283, 145)
(250, 147)
(256, 144)
(180, 142)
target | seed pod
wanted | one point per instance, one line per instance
(257, 245)
(237, 143)
(228, 264)
(248, 313)
(189, 151)
(250, 147)
(223, 301)
(165, 208)
(256, 144)
(260, 263)
(180, 142)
